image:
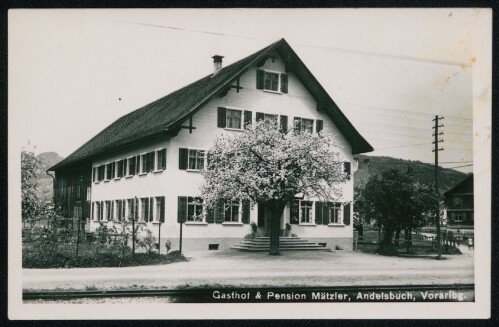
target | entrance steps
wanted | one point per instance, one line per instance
(285, 244)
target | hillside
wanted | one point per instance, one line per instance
(422, 172)
(45, 182)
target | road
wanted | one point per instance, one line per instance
(235, 268)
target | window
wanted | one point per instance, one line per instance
(146, 162)
(335, 212)
(196, 159)
(303, 125)
(160, 209)
(307, 125)
(232, 211)
(144, 209)
(347, 169)
(100, 173)
(305, 211)
(194, 209)
(131, 209)
(233, 118)
(458, 201)
(120, 210)
(270, 81)
(120, 168)
(98, 210)
(458, 217)
(109, 171)
(131, 166)
(109, 210)
(160, 159)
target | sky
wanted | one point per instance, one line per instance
(73, 72)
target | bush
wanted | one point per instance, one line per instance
(148, 241)
(254, 228)
(63, 257)
(168, 246)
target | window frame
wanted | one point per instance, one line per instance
(100, 169)
(302, 129)
(268, 71)
(241, 119)
(331, 207)
(108, 211)
(107, 173)
(196, 157)
(237, 204)
(142, 156)
(458, 201)
(194, 201)
(461, 215)
(117, 168)
(129, 159)
(159, 201)
(144, 215)
(156, 160)
(120, 208)
(311, 213)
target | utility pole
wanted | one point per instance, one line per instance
(436, 135)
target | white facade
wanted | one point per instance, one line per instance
(172, 182)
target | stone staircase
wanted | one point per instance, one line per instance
(285, 244)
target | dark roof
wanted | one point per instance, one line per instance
(167, 113)
(464, 186)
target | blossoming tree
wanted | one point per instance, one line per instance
(268, 166)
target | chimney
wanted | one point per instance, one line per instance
(217, 62)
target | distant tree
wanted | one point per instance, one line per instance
(264, 165)
(32, 206)
(394, 202)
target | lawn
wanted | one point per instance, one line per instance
(91, 255)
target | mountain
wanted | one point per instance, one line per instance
(422, 172)
(45, 182)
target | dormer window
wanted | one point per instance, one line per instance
(271, 81)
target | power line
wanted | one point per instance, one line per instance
(401, 146)
(363, 52)
(401, 110)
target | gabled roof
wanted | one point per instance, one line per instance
(167, 113)
(466, 185)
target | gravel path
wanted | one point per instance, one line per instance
(235, 268)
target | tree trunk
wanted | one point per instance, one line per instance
(386, 246)
(275, 227)
(397, 236)
(408, 238)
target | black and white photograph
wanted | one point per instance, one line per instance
(249, 163)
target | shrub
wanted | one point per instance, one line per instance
(168, 246)
(254, 228)
(337, 247)
(148, 241)
(63, 257)
(288, 229)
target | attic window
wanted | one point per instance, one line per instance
(271, 81)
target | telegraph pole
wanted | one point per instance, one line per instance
(437, 140)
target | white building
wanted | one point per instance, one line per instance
(148, 162)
